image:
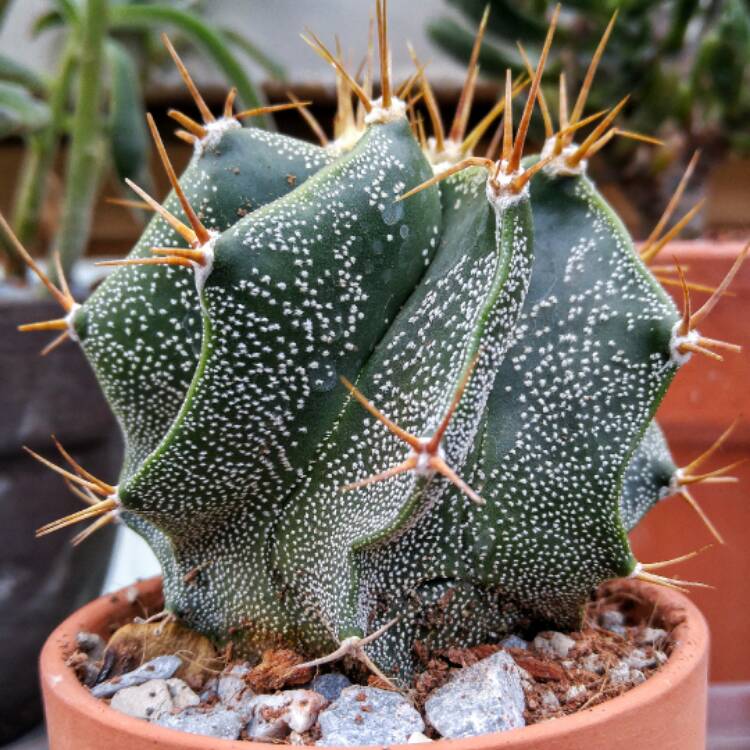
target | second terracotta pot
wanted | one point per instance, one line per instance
(704, 399)
(667, 712)
(45, 580)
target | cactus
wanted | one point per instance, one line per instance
(651, 48)
(683, 62)
(407, 395)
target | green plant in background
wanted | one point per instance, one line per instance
(684, 63)
(494, 309)
(95, 98)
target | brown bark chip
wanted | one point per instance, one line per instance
(277, 670)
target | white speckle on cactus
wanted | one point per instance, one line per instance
(203, 270)
(70, 319)
(381, 115)
(680, 358)
(214, 132)
(558, 167)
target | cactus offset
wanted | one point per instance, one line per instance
(407, 395)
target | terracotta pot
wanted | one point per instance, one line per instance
(704, 399)
(45, 580)
(667, 712)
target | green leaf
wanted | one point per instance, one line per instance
(20, 113)
(683, 12)
(15, 72)
(129, 137)
(69, 9)
(88, 146)
(507, 20)
(457, 42)
(204, 36)
(52, 19)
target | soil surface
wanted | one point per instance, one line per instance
(618, 631)
(622, 643)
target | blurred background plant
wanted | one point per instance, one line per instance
(94, 99)
(685, 64)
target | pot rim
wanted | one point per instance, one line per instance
(690, 637)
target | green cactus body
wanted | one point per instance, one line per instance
(141, 329)
(514, 346)
(466, 306)
(298, 292)
(649, 477)
(591, 359)
(266, 438)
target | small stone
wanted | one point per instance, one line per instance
(330, 685)
(91, 644)
(638, 659)
(550, 701)
(650, 636)
(613, 620)
(661, 657)
(417, 737)
(485, 697)
(147, 701)
(574, 692)
(216, 722)
(209, 690)
(514, 641)
(161, 668)
(620, 673)
(232, 684)
(554, 644)
(387, 718)
(234, 693)
(182, 695)
(637, 677)
(593, 663)
(295, 738)
(303, 709)
(274, 716)
(267, 722)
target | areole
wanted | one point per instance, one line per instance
(667, 712)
